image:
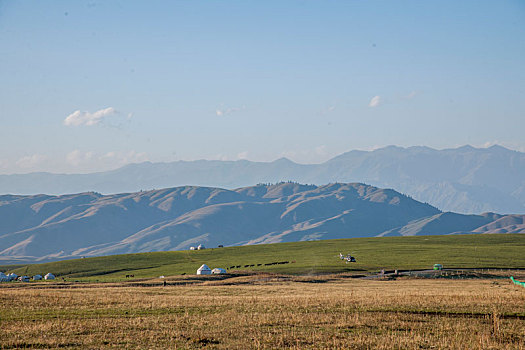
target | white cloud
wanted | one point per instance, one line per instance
(109, 155)
(242, 155)
(317, 154)
(327, 110)
(225, 111)
(75, 161)
(221, 156)
(374, 147)
(78, 157)
(321, 150)
(82, 160)
(510, 145)
(79, 118)
(31, 161)
(133, 157)
(374, 102)
(411, 95)
(490, 143)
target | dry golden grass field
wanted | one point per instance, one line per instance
(265, 311)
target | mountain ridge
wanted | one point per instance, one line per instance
(45, 227)
(464, 179)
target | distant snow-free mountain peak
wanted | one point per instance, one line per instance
(464, 179)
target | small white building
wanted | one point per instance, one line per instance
(201, 247)
(192, 248)
(49, 276)
(12, 276)
(218, 271)
(37, 277)
(204, 270)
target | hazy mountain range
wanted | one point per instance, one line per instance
(44, 227)
(464, 180)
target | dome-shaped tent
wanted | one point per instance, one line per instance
(49, 276)
(201, 247)
(37, 277)
(204, 270)
(218, 271)
(3, 277)
(12, 276)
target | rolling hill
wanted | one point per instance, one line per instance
(302, 258)
(463, 180)
(44, 227)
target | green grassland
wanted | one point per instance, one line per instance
(304, 258)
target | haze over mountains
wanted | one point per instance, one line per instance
(43, 227)
(464, 179)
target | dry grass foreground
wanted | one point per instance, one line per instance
(268, 312)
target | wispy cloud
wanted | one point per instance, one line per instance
(375, 101)
(220, 112)
(73, 161)
(242, 155)
(84, 118)
(31, 161)
(411, 95)
(90, 159)
(221, 156)
(318, 154)
(126, 157)
(78, 157)
(321, 150)
(516, 146)
(327, 110)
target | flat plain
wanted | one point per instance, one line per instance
(313, 301)
(266, 311)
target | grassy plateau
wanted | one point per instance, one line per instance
(314, 257)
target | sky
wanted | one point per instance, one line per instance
(88, 86)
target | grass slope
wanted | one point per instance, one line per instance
(314, 257)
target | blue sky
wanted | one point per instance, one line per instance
(90, 86)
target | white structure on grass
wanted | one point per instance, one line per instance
(37, 277)
(204, 270)
(49, 276)
(3, 277)
(201, 247)
(218, 271)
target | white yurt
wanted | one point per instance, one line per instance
(23, 279)
(201, 246)
(49, 276)
(218, 271)
(192, 248)
(204, 270)
(12, 276)
(3, 277)
(37, 277)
